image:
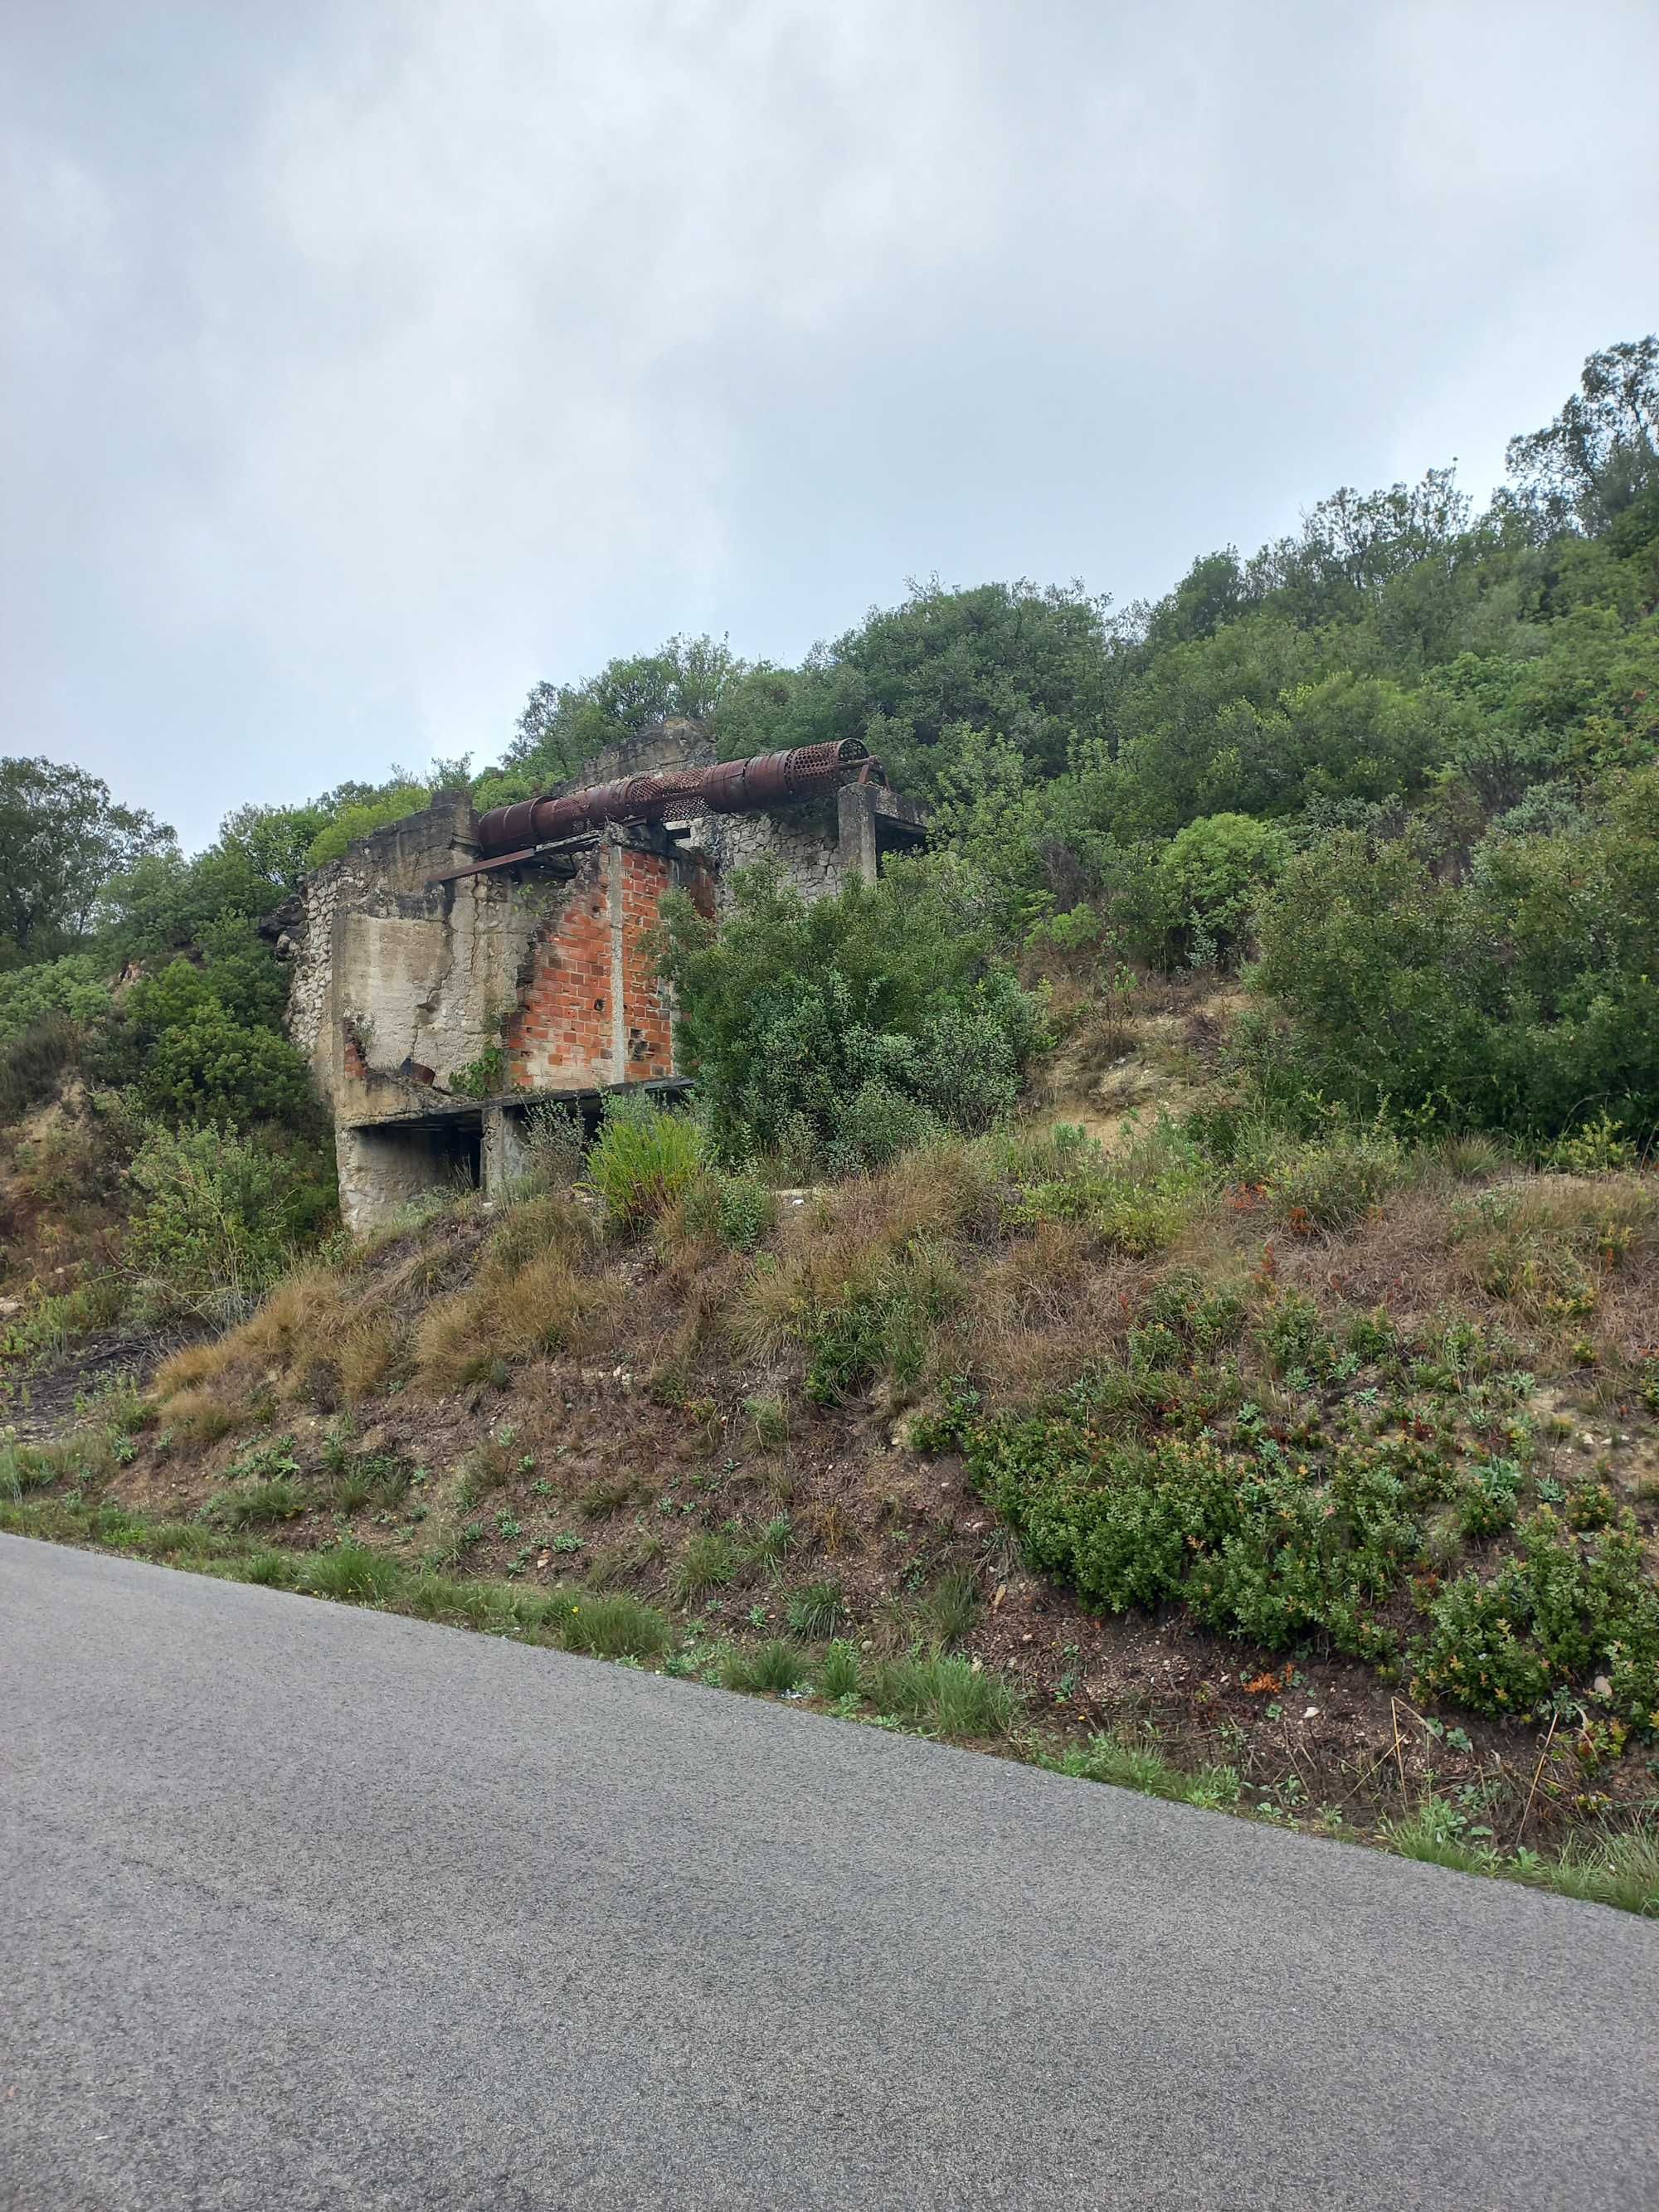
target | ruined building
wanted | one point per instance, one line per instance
(451, 971)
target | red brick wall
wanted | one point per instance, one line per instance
(569, 1032)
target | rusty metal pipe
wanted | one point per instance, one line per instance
(739, 787)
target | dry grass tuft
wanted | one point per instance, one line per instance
(1045, 1306)
(189, 1370)
(368, 1354)
(201, 1416)
(548, 1305)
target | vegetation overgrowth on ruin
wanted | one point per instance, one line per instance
(1166, 1281)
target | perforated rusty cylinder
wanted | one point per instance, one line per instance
(740, 787)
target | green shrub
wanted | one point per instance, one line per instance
(1335, 1185)
(201, 1039)
(74, 990)
(1506, 1000)
(1487, 1505)
(736, 1210)
(1294, 1340)
(843, 1030)
(215, 1067)
(644, 1158)
(1567, 1609)
(1269, 1547)
(218, 1221)
(1209, 877)
(362, 819)
(1597, 1148)
(483, 1078)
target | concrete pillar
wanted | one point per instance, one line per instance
(855, 814)
(506, 1155)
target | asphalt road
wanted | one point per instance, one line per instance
(303, 1906)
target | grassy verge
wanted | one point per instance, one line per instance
(929, 1692)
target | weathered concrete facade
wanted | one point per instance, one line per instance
(438, 996)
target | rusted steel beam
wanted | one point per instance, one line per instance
(496, 861)
(739, 787)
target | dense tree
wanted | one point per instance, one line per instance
(1601, 454)
(563, 724)
(1010, 661)
(62, 837)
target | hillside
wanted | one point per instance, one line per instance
(1192, 1479)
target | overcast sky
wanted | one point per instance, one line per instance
(365, 363)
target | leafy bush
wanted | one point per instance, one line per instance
(1508, 1000)
(736, 1210)
(1209, 877)
(1335, 1185)
(219, 1218)
(644, 1158)
(75, 987)
(1267, 1547)
(203, 1043)
(362, 819)
(1566, 1610)
(1487, 1505)
(845, 1029)
(1597, 1148)
(215, 1067)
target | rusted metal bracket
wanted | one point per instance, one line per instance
(549, 856)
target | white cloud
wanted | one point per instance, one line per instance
(369, 363)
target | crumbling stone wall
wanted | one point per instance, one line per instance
(801, 842)
(305, 941)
